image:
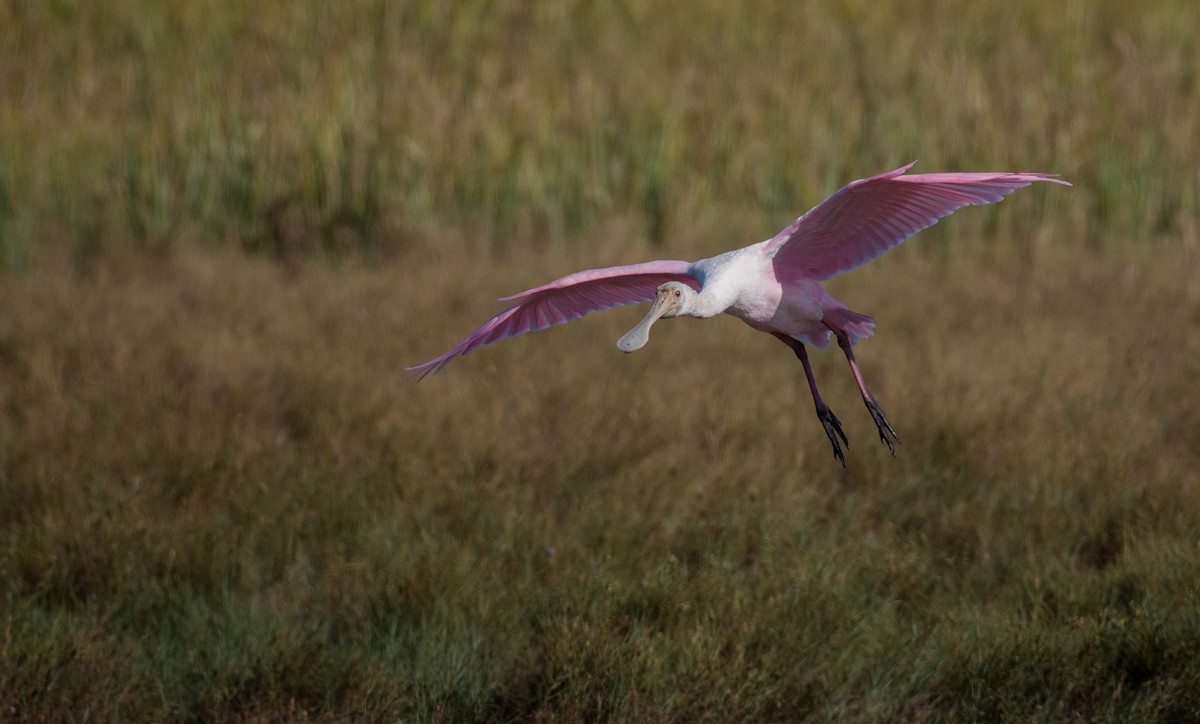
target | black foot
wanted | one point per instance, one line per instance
(831, 424)
(885, 427)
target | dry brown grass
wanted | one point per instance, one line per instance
(221, 499)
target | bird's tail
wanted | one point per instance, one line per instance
(856, 326)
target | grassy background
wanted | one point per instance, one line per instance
(225, 228)
(291, 126)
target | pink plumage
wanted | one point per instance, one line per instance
(870, 216)
(565, 299)
(771, 285)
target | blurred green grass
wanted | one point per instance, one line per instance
(218, 501)
(373, 126)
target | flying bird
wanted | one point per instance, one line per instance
(771, 285)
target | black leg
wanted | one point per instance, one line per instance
(833, 428)
(881, 421)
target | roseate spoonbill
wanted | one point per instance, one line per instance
(771, 285)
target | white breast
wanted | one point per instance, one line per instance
(743, 283)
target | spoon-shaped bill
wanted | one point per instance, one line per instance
(637, 337)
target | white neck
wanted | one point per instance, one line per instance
(708, 302)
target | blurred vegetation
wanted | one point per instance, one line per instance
(218, 502)
(372, 126)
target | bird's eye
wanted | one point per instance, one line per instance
(677, 292)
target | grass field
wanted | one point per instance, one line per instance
(225, 228)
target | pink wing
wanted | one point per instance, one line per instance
(870, 216)
(565, 299)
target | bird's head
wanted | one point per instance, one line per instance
(670, 301)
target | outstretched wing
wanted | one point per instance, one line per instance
(871, 215)
(565, 299)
